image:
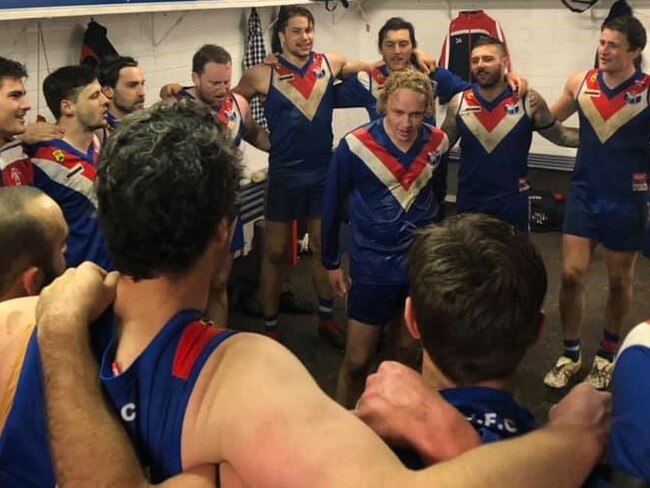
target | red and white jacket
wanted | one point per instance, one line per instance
(464, 31)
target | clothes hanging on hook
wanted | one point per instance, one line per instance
(255, 54)
(464, 30)
(96, 45)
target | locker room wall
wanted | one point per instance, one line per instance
(547, 42)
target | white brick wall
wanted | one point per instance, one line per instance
(547, 42)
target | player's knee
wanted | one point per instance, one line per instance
(357, 365)
(621, 283)
(573, 277)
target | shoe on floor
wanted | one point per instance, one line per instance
(332, 331)
(562, 372)
(601, 373)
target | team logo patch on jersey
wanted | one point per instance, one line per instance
(639, 182)
(58, 155)
(16, 177)
(434, 158)
(632, 98)
(512, 108)
(523, 184)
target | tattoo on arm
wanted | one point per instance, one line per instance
(561, 135)
(449, 126)
(546, 124)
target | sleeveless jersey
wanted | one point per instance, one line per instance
(629, 445)
(612, 159)
(387, 193)
(228, 114)
(25, 459)
(151, 396)
(68, 177)
(363, 89)
(15, 167)
(298, 110)
(495, 139)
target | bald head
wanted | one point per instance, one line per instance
(32, 241)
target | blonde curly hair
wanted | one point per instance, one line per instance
(411, 80)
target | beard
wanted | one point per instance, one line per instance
(122, 107)
(488, 81)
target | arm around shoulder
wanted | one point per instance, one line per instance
(344, 68)
(449, 126)
(258, 397)
(547, 125)
(255, 81)
(566, 105)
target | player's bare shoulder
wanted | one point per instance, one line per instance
(336, 62)
(242, 103)
(17, 315)
(574, 81)
(17, 318)
(255, 81)
(242, 369)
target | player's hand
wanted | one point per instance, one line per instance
(586, 407)
(41, 132)
(425, 63)
(405, 412)
(76, 298)
(517, 84)
(337, 281)
(271, 59)
(169, 93)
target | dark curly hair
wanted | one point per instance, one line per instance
(165, 179)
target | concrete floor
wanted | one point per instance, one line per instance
(323, 361)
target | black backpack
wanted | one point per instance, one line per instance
(546, 210)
